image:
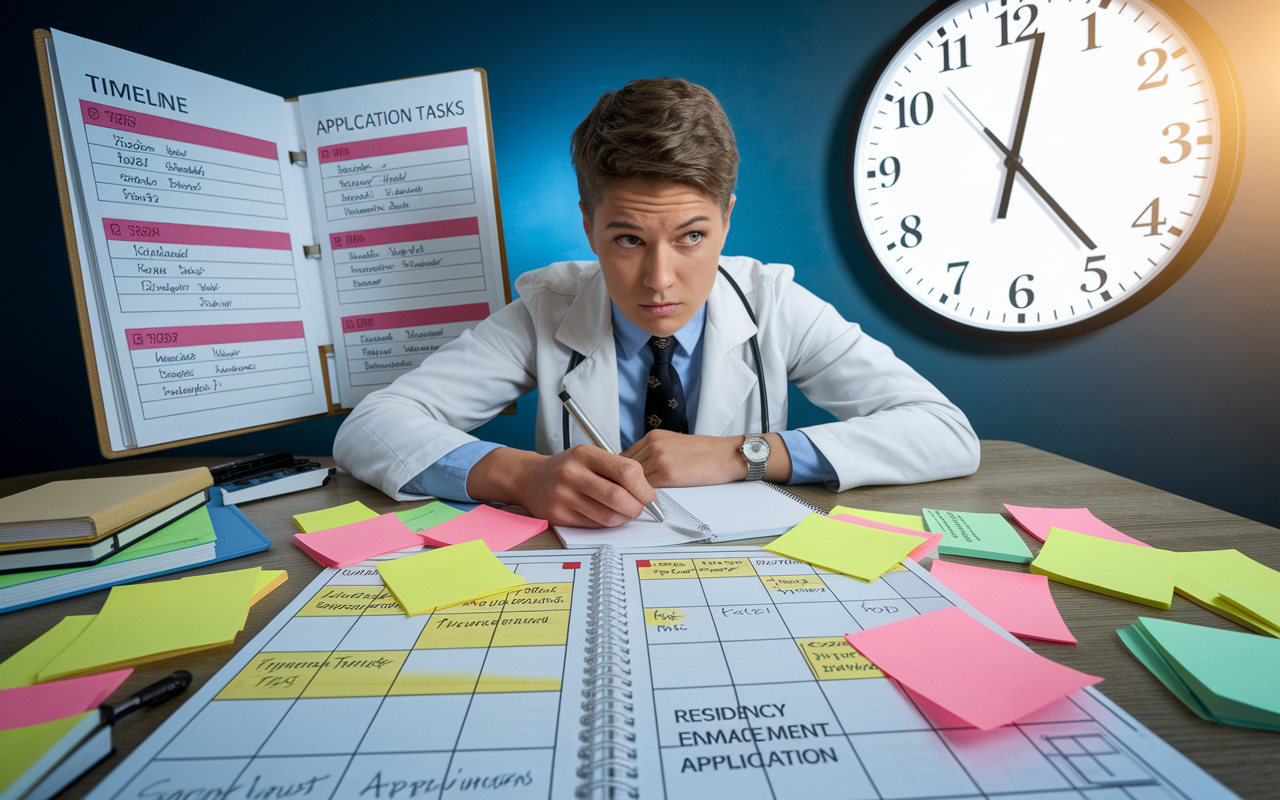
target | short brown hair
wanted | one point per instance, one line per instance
(662, 129)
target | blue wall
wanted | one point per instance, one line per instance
(1183, 395)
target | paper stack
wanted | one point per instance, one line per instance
(1223, 676)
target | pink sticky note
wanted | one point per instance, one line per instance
(500, 530)
(1016, 601)
(45, 702)
(970, 670)
(1038, 521)
(930, 539)
(351, 544)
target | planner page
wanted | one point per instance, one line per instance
(344, 697)
(739, 660)
(191, 223)
(405, 200)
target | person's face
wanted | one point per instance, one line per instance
(658, 245)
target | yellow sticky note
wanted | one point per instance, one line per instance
(446, 576)
(23, 748)
(913, 521)
(1263, 605)
(865, 553)
(268, 580)
(1205, 575)
(21, 668)
(1139, 574)
(148, 621)
(335, 517)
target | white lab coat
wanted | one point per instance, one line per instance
(892, 426)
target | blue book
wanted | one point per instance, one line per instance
(234, 536)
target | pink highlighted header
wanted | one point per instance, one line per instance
(410, 142)
(415, 318)
(149, 125)
(195, 335)
(397, 234)
(127, 230)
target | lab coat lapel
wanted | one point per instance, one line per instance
(588, 329)
(727, 381)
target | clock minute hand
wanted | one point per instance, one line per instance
(1014, 164)
(1021, 128)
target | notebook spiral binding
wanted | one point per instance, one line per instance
(799, 500)
(608, 730)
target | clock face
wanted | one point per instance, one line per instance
(1035, 169)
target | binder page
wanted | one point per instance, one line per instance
(344, 697)
(405, 201)
(194, 236)
(740, 662)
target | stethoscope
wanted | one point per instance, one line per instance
(576, 358)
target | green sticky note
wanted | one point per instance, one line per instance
(1205, 575)
(188, 530)
(446, 576)
(1139, 574)
(148, 621)
(427, 516)
(1263, 604)
(913, 521)
(23, 667)
(335, 517)
(25, 748)
(1233, 674)
(856, 550)
(1143, 649)
(967, 533)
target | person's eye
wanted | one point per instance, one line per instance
(693, 237)
(627, 240)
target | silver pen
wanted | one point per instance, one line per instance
(599, 441)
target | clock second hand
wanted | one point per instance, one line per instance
(1013, 162)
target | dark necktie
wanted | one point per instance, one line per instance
(664, 402)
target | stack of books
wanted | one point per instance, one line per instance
(70, 537)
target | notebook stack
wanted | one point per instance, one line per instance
(70, 537)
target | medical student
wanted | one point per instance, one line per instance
(679, 355)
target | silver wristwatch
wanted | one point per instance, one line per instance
(756, 451)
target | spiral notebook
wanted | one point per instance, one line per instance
(697, 672)
(712, 514)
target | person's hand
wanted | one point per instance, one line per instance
(681, 459)
(584, 486)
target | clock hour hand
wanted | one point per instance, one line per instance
(1021, 128)
(1014, 163)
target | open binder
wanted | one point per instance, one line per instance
(242, 261)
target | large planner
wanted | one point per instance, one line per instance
(241, 260)
(692, 673)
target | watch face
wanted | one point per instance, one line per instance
(755, 449)
(1029, 170)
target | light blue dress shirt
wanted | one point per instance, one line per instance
(447, 477)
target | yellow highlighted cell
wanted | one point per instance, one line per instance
(832, 658)
(274, 676)
(794, 584)
(490, 683)
(668, 568)
(341, 601)
(664, 616)
(447, 630)
(356, 674)
(384, 605)
(522, 628)
(539, 596)
(723, 567)
(438, 683)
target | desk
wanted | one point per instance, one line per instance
(1245, 760)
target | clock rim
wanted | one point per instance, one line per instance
(1228, 171)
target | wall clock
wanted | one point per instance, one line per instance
(1030, 170)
